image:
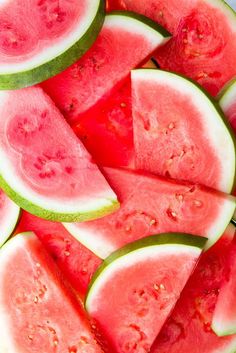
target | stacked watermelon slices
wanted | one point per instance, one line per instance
(117, 141)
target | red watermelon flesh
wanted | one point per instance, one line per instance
(76, 262)
(153, 205)
(38, 312)
(83, 84)
(190, 322)
(204, 43)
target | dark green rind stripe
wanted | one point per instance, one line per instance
(59, 63)
(153, 240)
(51, 215)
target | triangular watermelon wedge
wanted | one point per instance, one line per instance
(135, 289)
(152, 205)
(180, 132)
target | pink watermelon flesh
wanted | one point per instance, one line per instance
(224, 318)
(82, 85)
(189, 327)
(38, 312)
(9, 215)
(135, 296)
(152, 205)
(173, 135)
(57, 169)
(75, 261)
(203, 34)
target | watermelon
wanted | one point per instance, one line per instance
(9, 216)
(190, 323)
(182, 134)
(55, 178)
(38, 313)
(152, 205)
(227, 100)
(134, 290)
(204, 34)
(76, 262)
(108, 126)
(54, 36)
(127, 39)
(224, 318)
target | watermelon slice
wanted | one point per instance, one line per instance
(189, 327)
(181, 134)
(203, 34)
(135, 289)
(37, 311)
(9, 216)
(54, 35)
(228, 103)
(54, 178)
(127, 39)
(224, 318)
(76, 262)
(152, 205)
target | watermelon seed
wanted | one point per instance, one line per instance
(36, 299)
(171, 126)
(184, 30)
(67, 253)
(153, 221)
(123, 105)
(55, 343)
(30, 337)
(179, 197)
(162, 286)
(160, 13)
(171, 214)
(38, 265)
(197, 203)
(128, 229)
(156, 287)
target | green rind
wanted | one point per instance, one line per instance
(58, 64)
(218, 110)
(146, 20)
(153, 240)
(227, 88)
(56, 216)
(14, 226)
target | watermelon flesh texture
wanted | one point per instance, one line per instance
(228, 103)
(76, 262)
(189, 326)
(134, 292)
(224, 318)
(56, 172)
(203, 34)
(82, 85)
(9, 216)
(178, 134)
(152, 205)
(37, 311)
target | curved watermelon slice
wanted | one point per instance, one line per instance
(224, 318)
(189, 327)
(152, 205)
(228, 103)
(204, 34)
(54, 35)
(9, 216)
(126, 40)
(76, 262)
(37, 311)
(55, 178)
(181, 134)
(134, 291)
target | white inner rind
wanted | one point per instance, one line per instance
(228, 98)
(57, 49)
(217, 132)
(8, 222)
(7, 344)
(132, 258)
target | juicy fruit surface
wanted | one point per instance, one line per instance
(9, 214)
(203, 33)
(83, 84)
(135, 293)
(228, 103)
(35, 297)
(178, 135)
(152, 205)
(223, 322)
(75, 261)
(191, 319)
(57, 168)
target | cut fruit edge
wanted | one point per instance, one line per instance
(211, 110)
(10, 221)
(35, 71)
(130, 254)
